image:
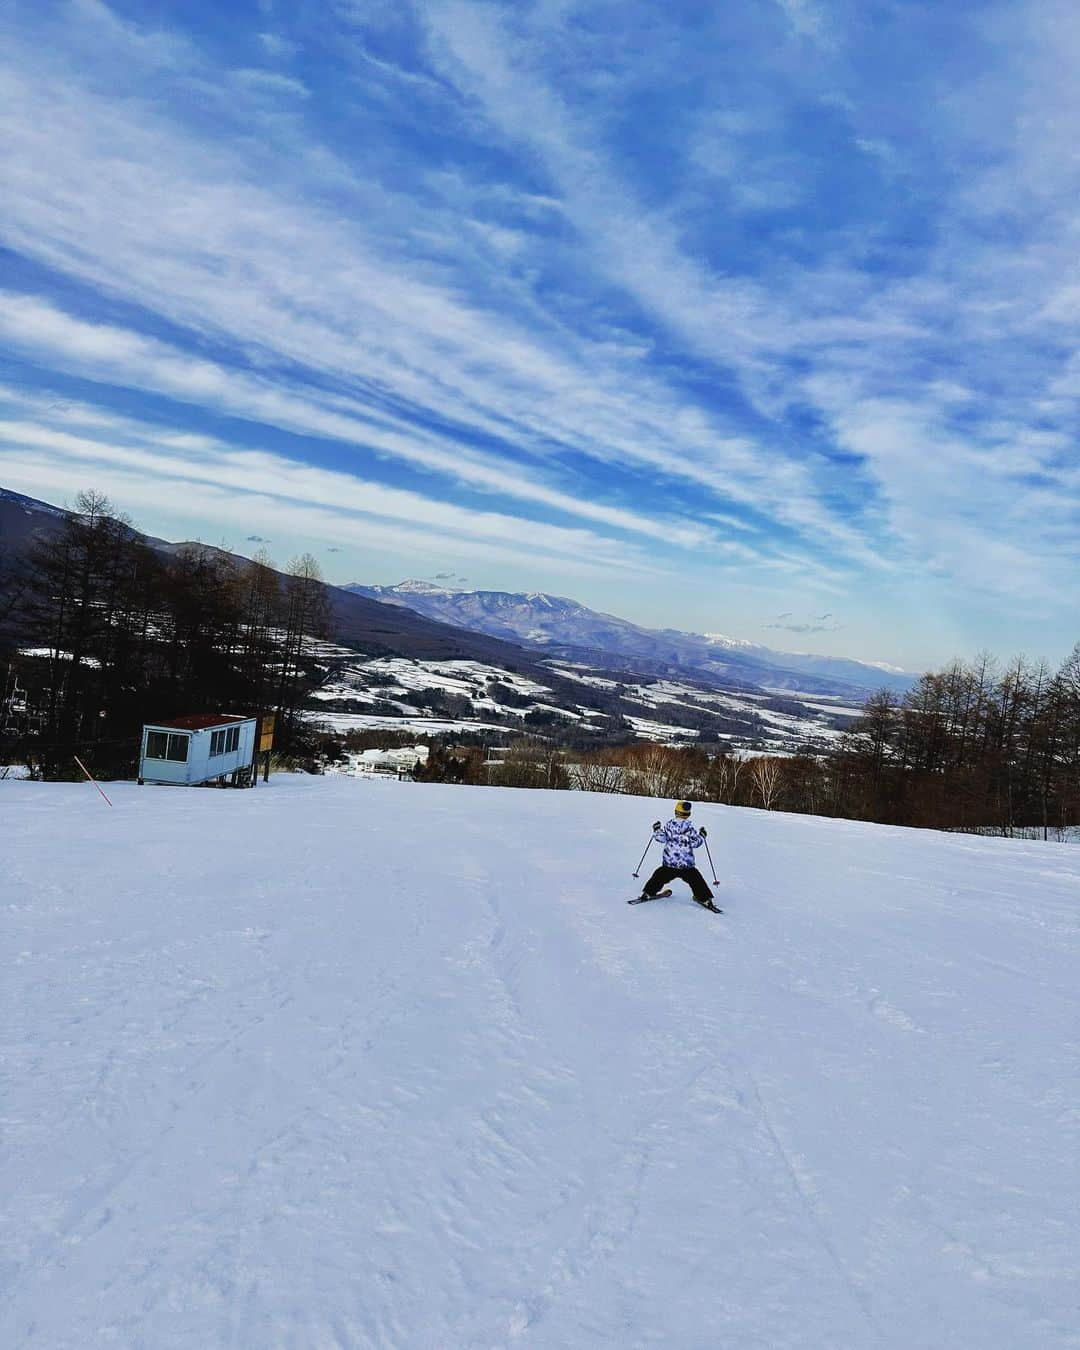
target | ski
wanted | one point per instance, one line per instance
(663, 895)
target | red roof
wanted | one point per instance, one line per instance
(200, 721)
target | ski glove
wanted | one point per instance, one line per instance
(656, 826)
(703, 831)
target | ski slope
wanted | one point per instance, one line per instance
(343, 1063)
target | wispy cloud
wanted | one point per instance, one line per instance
(272, 82)
(755, 329)
(109, 449)
(436, 257)
(105, 352)
(807, 627)
(542, 390)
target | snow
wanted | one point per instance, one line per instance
(722, 640)
(357, 1063)
(819, 701)
(790, 731)
(794, 726)
(660, 731)
(570, 672)
(52, 653)
(468, 679)
(385, 684)
(834, 709)
(425, 726)
(460, 677)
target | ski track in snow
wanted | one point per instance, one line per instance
(344, 1063)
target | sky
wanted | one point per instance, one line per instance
(758, 318)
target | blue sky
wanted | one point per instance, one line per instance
(758, 318)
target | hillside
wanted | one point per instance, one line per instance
(359, 621)
(387, 667)
(378, 1065)
(586, 704)
(567, 628)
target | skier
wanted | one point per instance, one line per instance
(679, 839)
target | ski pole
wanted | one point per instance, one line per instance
(637, 869)
(715, 880)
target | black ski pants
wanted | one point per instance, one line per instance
(690, 875)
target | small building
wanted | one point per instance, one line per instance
(400, 762)
(200, 748)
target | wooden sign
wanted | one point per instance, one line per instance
(266, 732)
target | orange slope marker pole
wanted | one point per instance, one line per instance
(86, 771)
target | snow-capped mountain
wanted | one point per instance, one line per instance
(565, 626)
(863, 674)
(722, 640)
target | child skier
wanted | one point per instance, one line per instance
(679, 839)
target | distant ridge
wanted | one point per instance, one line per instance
(371, 627)
(565, 627)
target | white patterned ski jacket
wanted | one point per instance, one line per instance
(679, 839)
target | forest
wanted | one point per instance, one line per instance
(120, 632)
(972, 747)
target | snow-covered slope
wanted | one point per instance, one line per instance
(395, 693)
(376, 1065)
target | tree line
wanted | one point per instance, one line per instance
(121, 633)
(972, 747)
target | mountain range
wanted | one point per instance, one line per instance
(565, 628)
(422, 658)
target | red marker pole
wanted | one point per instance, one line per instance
(86, 771)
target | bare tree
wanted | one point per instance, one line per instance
(722, 778)
(260, 594)
(531, 763)
(766, 774)
(597, 773)
(656, 771)
(306, 617)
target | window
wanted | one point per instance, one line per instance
(225, 741)
(166, 745)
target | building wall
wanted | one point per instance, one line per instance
(201, 766)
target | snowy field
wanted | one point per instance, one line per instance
(377, 694)
(424, 726)
(344, 1063)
